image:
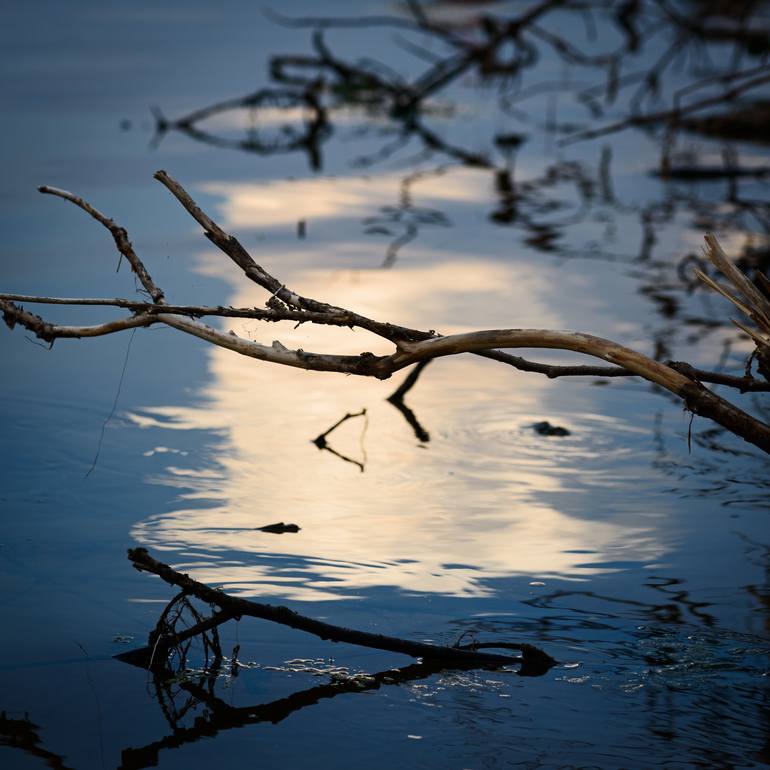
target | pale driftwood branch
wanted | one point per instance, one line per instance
(120, 236)
(331, 317)
(232, 247)
(343, 319)
(383, 367)
(365, 364)
(236, 607)
(695, 396)
(48, 332)
(750, 301)
(412, 346)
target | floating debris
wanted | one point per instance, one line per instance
(546, 429)
(279, 528)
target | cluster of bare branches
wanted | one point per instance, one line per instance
(411, 346)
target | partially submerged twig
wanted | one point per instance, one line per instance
(321, 442)
(235, 607)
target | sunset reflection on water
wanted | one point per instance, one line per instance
(447, 516)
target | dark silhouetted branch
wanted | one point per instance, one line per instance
(396, 398)
(236, 607)
(321, 442)
(676, 115)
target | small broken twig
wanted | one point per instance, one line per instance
(321, 442)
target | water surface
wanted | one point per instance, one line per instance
(639, 562)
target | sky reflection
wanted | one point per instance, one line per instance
(479, 502)
(284, 201)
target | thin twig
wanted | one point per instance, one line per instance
(119, 234)
(114, 404)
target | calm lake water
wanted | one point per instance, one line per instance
(641, 565)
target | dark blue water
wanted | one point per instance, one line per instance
(640, 564)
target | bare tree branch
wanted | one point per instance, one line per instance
(414, 346)
(48, 332)
(147, 313)
(235, 607)
(118, 233)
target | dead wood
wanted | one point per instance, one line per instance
(412, 345)
(119, 235)
(232, 607)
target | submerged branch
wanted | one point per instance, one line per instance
(235, 607)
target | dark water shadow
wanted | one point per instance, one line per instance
(23, 734)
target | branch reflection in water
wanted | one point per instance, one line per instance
(21, 733)
(216, 715)
(321, 442)
(509, 58)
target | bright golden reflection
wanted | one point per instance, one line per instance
(485, 498)
(284, 201)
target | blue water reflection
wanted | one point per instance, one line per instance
(641, 565)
